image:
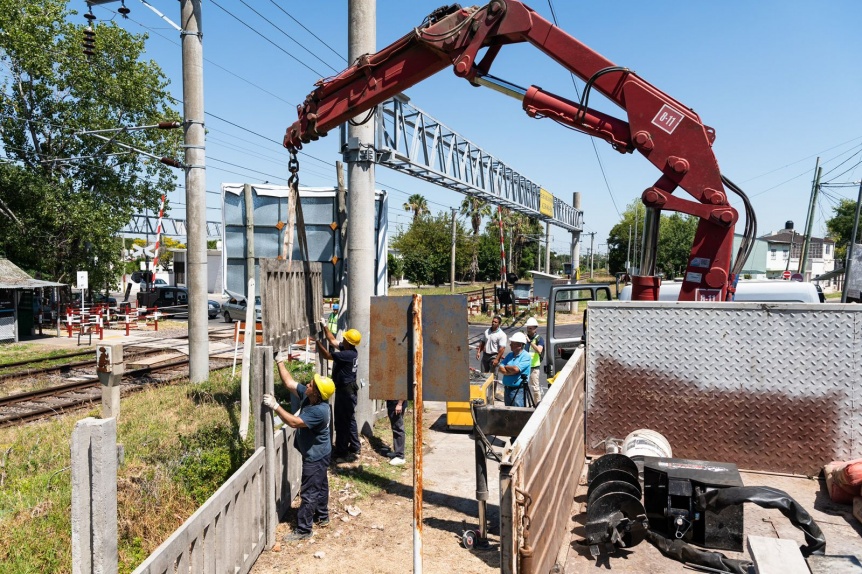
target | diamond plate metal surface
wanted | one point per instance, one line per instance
(771, 387)
(446, 364)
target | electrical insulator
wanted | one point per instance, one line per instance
(89, 41)
(123, 10)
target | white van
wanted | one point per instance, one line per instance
(765, 291)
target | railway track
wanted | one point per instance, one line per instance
(51, 401)
(90, 362)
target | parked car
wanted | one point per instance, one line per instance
(213, 308)
(235, 307)
(156, 283)
(101, 298)
(759, 290)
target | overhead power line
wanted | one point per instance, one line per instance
(334, 51)
(250, 27)
(271, 23)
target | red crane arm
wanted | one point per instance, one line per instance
(663, 130)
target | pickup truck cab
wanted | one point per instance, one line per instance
(567, 305)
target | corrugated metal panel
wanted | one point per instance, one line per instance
(540, 474)
(446, 362)
(771, 387)
(270, 207)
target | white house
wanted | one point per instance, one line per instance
(784, 251)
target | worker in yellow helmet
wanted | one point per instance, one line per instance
(344, 366)
(312, 438)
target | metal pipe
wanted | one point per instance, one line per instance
(649, 242)
(481, 484)
(501, 85)
(417, 434)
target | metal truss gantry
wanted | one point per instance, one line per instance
(147, 225)
(411, 141)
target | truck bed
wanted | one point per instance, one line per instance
(843, 532)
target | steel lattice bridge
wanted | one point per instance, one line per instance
(411, 141)
(147, 225)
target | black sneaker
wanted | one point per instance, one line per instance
(322, 523)
(298, 536)
(346, 458)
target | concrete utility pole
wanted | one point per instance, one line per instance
(196, 260)
(361, 39)
(576, 238)
(547, 247)
(809, 219)
(452, 267)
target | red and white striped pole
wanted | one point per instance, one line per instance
(502, 248)
(158, 235)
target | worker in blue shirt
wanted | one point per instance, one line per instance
(515, 368)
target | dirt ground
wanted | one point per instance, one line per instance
(379, 540)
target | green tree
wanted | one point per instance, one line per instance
(426, 248)
(57, 215)
(395, 268)
(676, 236)
(840, 226)
(418, 205)
(476, 209)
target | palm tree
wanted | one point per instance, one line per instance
(418, 205)
(476, 209)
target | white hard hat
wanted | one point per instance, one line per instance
(518, 338)
(531, 322)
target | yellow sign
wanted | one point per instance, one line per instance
(546, 203)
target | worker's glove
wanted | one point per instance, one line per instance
(281, 356)
(270, 401)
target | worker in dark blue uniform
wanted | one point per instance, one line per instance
(312, 440)
(344, 366)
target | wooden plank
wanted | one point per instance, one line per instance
(776, 556)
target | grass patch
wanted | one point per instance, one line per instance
(180, 442)
(15, 353)
(443, 290)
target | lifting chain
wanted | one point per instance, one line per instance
(293, 168)
(525, 552)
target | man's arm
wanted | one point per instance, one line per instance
(535, 346)
(292, 421)
(481, 348)
(288, 380)
(321, 348)
(329, 336)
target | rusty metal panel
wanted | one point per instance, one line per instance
(446, 364)
(539, 476)
(772, 387)
(291, 301)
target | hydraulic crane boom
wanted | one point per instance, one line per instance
(663, 130)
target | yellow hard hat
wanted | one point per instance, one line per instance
(325, 386)
(353, 337)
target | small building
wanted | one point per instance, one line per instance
(24, 302)
(784, 251)
(215, 276)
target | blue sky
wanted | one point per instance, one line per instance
(779, 82)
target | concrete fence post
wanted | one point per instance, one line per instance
(263, 382)
(110, 366)
(94, 497)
